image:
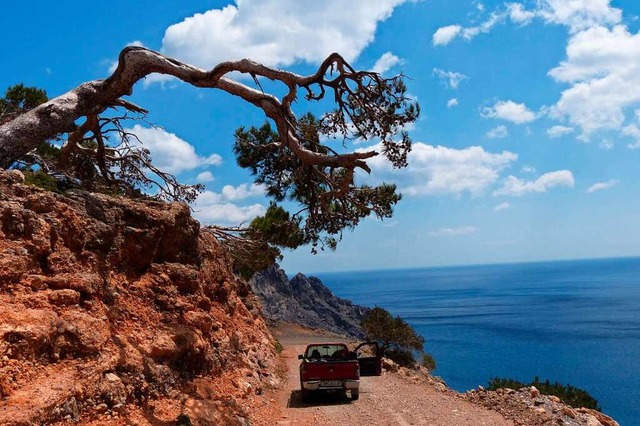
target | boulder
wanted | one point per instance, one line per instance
(78, 334)
(25, 333)
(389, 365)
(534, 392)
(112, 390)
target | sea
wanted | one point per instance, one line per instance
(575, 322)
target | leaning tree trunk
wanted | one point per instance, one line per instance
(60, 115)
(28, 130)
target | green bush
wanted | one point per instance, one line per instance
(428, 361)
(42, 180)
(278, 346)
(402, 357)
(397, 339)
(406, 358)
(501, 382)
(569, 394)
(391, 332)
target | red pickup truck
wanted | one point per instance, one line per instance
(332, 367)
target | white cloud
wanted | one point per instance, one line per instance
(559, 131)
(602, 185)
(502, 206)
(498, 132)
(590, 54)
(445, 35)
(603, 69)
(579, 14)
(518, 14)
(222, 207)
(231, 193)
(454, 232)
(528, 169)
(163, 80)
(235, 193)
(385, 63)
(485, 27)
(277, 32)
(602, 65)
(439, 170)
(633, 132)
(170, 153)
(449, 78)
(607, 144)
(205, 177)
(227, 213)
(509, 111)
(452, 102)
(516, 187)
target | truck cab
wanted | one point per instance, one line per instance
(333, 367)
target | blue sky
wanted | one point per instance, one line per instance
(527, 148)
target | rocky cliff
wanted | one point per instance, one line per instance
(528, 407)
(305, 301)
(112, 308)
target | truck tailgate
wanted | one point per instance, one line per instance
(330, 370)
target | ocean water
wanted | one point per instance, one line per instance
(575, 322)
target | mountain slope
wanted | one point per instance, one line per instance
(305, 301)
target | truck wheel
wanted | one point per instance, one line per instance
(355, 394)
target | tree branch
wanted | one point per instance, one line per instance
(24, 132)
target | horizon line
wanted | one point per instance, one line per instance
(462, 265)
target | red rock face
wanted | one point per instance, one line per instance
(112, 308)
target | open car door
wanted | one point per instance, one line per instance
(369, 359)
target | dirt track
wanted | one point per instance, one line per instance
(392, 399)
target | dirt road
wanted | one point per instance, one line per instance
(392, 399)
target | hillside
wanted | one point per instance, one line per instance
(306, 301)
(113, 308)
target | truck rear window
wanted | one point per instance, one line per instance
(326, 352)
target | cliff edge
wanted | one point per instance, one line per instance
(113, 308)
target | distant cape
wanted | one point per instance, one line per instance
(306, 301)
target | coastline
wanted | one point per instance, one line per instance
(570, 321)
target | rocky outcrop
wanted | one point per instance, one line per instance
(305, 301)
(527, 406)
(112, 308)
